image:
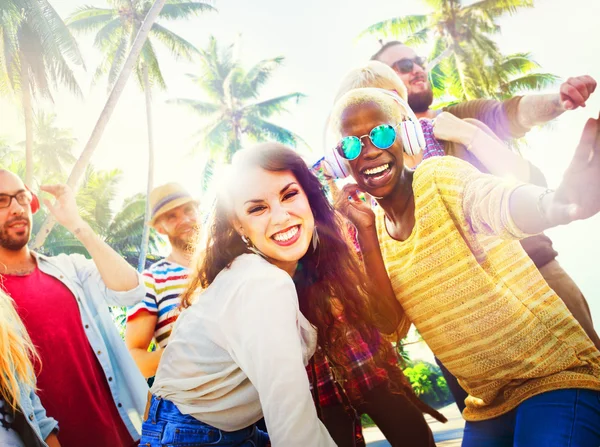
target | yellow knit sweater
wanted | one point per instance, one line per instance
(476, 297)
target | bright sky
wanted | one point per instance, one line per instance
(317, 38)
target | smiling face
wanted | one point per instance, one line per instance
(180, 225)
(15, 220)
(272, 210)
(420, 95)
(376, 171)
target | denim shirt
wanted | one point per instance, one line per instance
(34, 413)
(127, 385)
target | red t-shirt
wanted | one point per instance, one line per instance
(72, 385)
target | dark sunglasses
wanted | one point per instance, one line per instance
(382, 137)
(23, 198)
(405, 66)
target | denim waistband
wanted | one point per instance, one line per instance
(173, 423)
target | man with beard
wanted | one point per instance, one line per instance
(174, 214)
(86, 378)
(511, 118)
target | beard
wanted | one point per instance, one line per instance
(14, 243)
(420, 102)
(184, 241)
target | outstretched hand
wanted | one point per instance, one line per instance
(357, 211)
(64, 209)
(578, 196)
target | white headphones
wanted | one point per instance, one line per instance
(411, 133)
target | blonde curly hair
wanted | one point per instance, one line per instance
(16, 354)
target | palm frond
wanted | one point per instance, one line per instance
(89, 18)
(497, 8)
(148, 57)
(202, 108)
(396, 27)
(259, 75)
(262, 130)
(183, 10)
(270, 107)
(178, 46)
(530, 82)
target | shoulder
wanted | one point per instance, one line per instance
(443, 173)
(66, 261)
(251, 280)
(473, 108)
(442, 167)
(253, 269)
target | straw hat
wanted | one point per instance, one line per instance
(167, 197)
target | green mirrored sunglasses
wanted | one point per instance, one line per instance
(382, 137)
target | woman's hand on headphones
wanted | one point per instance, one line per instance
(448, 127)
(64, 209)
(356, 210)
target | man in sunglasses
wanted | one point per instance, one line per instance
(86, 378)
(512, 118)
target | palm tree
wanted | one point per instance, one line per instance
(52, 151)
(35, 49)
(473, 66)
(52, 148)
(116, 28)
(233, 111)
(84, 159)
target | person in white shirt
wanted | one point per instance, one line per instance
(240, 347)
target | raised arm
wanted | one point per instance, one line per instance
(534, 110)
(116, 273)
(384, 303)
(492, 206)
(534, 209)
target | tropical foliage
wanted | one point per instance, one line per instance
(471, 64)
(428, 383)
(233, 111)
(116, 29)
(36, 48)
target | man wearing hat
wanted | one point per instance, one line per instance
(86, 378)
(174, 214)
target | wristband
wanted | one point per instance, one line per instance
(540, 206)
(470, 145)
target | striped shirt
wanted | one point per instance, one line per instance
(477, 298)
(165, 281)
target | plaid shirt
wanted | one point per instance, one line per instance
(362, 376)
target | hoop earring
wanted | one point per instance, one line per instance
(315, 238)
(250, 246)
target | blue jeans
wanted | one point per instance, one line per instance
(167, 426)
(561, 418)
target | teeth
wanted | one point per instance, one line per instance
(377, 170)
(284, 237)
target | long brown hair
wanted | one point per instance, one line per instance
(332, 270)
(16, 352)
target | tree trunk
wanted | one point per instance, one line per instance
(109, 107)
(150, 185)
(28, 115)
